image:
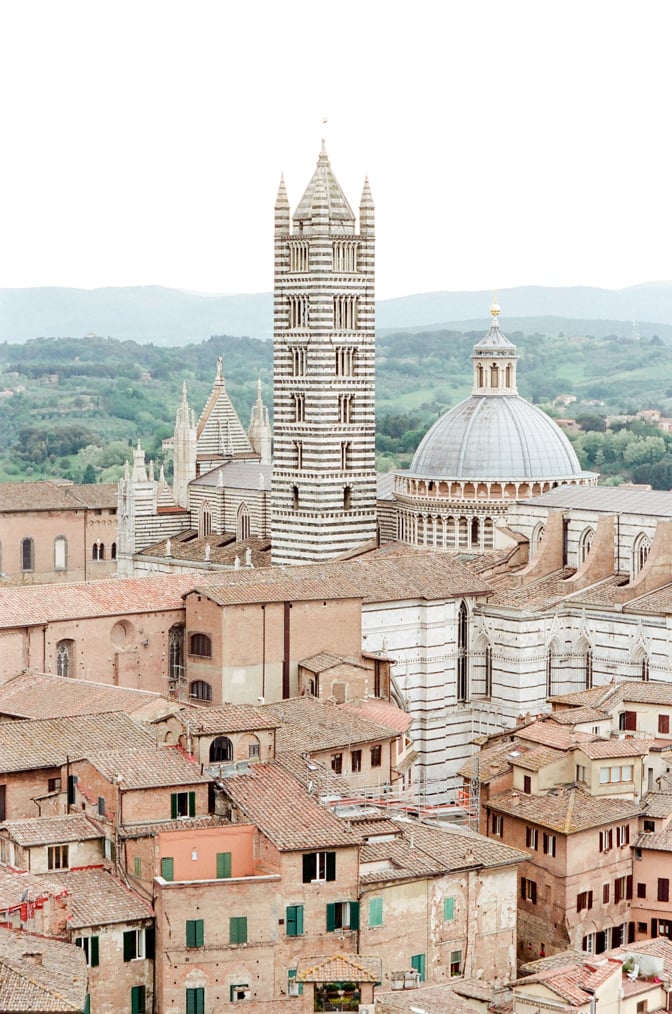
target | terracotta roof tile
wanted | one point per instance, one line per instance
(147, 768)
(566, 810)
(577, 716)
(629, 747)
(382, 713)
(48, 742)
(186, 824)
(440, 999)
(43, 830)
(538, 758)
(549, 733)
(37, 604)
(35, 695)
(575, 982)
(13, 888)
(55, 982)
(340, 968)
(96, 898)
(319, 779)
(492, 761)
(224, 548)
(422, 850)
(657, 804)
(269, 797)
(229, 718)
(657, 841)
(310, 724)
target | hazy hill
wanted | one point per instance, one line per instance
(175, 317)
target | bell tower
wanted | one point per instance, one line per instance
(324, 470)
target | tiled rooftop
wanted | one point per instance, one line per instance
(423, 850)
(229, 718)
(566, 810)
(224, 549)
(657, 804)
(323, 661)
(441, 999)
(608, 499)
(310, 724)
(492, 761)
(272, 799)
(186, 824)
(383, 713)
(47, 496)
(657, 841)
(606, 748)
(549, 733)
(578, 716)
(13, 887)
(319, 778)
(48, 742)
(609, 697)
(537, 758)
(39, 974)
(575, 982)
(147, 768)
(36, 604)
(96, 898)
(340, 968)
(34, 695)
(45, 830)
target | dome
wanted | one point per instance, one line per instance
(491, 438)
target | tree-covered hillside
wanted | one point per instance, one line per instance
(75, 407)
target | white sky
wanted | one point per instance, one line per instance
(506, 143)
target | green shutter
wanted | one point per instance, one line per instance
(94, 953)
(72, 781)
(418, 963)
(149, 942)
(331, 917)
(138, 1000)
(331, 866)
(129, 945)
(87, 1005)
(223, 865)
(137, 866)
(173, 805)
(194, 933)
(375, 911)
(308, 866)
(354, 915)
(238, 929)
(291, 975)
(294, 920)
(168, 869)
(196, 1001)
(448, 909)
(192, 804)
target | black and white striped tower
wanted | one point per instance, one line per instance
(324, 467)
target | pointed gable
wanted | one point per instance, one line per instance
(220, 433)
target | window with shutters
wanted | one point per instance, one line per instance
(223, 865)
(622, 835)
(584, 901)
(238, 929)
(294, 920)
(337, 763)
(319, 866)
(356, 761)
(138, 944)
(375, 911)
(456, 962)
(194, 935)
(448, 909)
(342, 915)
(91, 948)
(622, 889)
(663, 889)
(196, 1000)
(376, 756)
(138, 1000)
(605, 894)
(418, 963)
(549, 844)
(531, 838)
(294, 988)
(168, 868)
(606, 840)
(663, 724)
(200, 645)
(182, 804)
(528, 890)
(497, 824)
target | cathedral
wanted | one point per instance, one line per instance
(575, 578)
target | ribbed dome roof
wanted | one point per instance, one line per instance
(486, 438)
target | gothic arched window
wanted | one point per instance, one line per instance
(60, 553)
(462, 653)
(65, 651)
(640, 552)
(585, 542)
(243, 522)
(27, 554)
(176, 652)
(200, 644)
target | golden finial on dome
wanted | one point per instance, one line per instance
(494, 309)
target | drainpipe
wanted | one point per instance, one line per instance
(286, 651)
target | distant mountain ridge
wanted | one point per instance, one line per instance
(175, 316)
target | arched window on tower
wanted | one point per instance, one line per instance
(347, 498)
(641, 548)
(65, 658)
(488, 533)
(113, 551)
(221, 750)
(488, 671)
(508, 375)
(588, 668)
(205, 527)
(480, 376)
(462, 653)
(549, 673)
(644, 668)
(494, 375)
(475, 533)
